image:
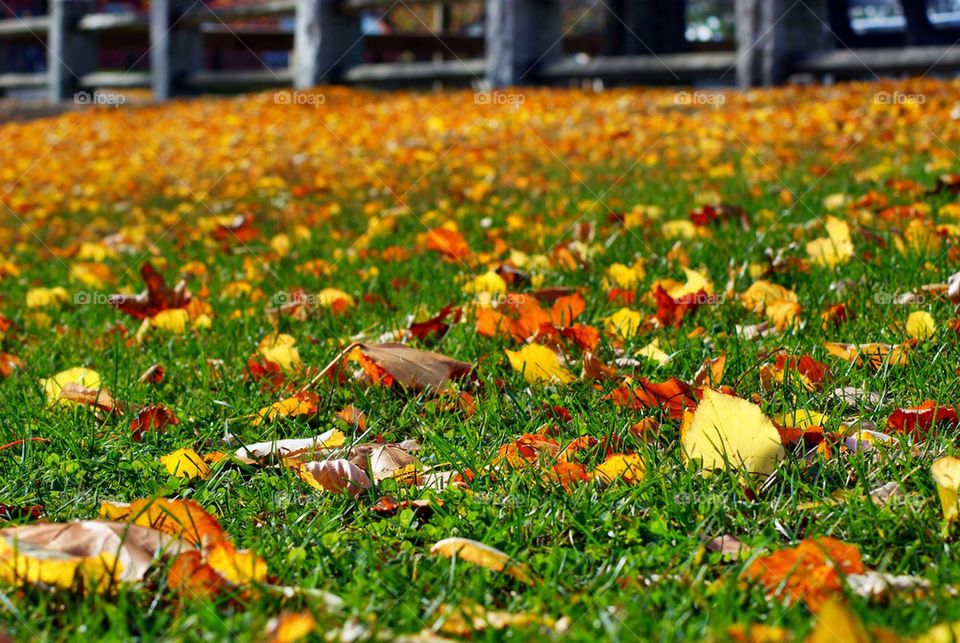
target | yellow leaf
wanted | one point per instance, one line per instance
(800, 419)
(483, 556)
(783, 314)
(173, 320)
(678, 229)
(942, 633)
(920, 325)
(290, 627)
(835, 622)
(185, 463)
(761, 293)
(240, 567)
(300, 404)
(489, 283)
(40, 297)
(727, 431)
(628, 467)
(329, 296)
(946, 473)
(696, 282)
(652, 352)
(83, 377)
(624, 323)
(876, 354)
(280, 350)
(627, 277)
(834, 249)
(539, 365)
(92, 554)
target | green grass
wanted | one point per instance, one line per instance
(618, 562)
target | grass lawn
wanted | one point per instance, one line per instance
(766, 227)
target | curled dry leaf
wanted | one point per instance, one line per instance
(153, 375)
(881, 586)
(335, 476)
(82, 377)
(299, 448)
(483, 556)
(728, 546)
(411, 368)
(98, 398)
(382, 460)
(91, 554)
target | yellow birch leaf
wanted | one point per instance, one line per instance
(727, 431)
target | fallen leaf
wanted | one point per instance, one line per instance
(155, 417)
(291, 449)
(946, 474)
(303, 403)
(91, 554)
(539, 365)
(185, 463)
(183, 519)
(335, 476)
(156, 298)
(82, 377)
(810, 572)
(621, 466)
(727, 431)
(483, 556)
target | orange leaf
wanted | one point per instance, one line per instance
(180, 518)
(812, 571)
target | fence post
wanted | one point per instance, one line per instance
(70, 53)
(522, 35)
(639, 28)
(326, 42)
(771, 32)
(176, 47)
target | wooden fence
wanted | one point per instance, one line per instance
(522, 44)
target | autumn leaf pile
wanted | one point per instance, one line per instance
(415, 367)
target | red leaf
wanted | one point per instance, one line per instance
(156, 298)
